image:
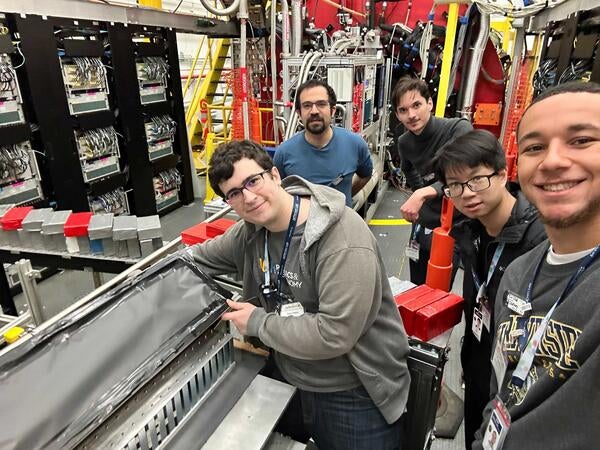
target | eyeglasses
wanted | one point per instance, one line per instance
(475, 184)
(253, 184)
(320, 104)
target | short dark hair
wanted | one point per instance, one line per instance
(315, 82)
(574, 87)
(407, 84)
(477, 147)
(227, 154)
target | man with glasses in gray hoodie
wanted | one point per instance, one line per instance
(325, 307)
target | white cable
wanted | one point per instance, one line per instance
(509, 8)
(425, 44)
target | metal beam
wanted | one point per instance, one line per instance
(560, 12)
(77, 9)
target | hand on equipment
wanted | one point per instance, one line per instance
(239, 314)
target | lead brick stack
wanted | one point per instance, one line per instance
(32, 228)
(101, 234)
(150, 234)
(125, 236)
(54, 230)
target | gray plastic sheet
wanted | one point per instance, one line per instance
(62, 383)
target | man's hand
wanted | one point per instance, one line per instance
(239, 315)
(411, 207)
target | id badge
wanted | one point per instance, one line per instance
(477, 326)
(412, 251)
(497, 428)
(516, 303)
(499, 363)
(294, 309)
(486, 308)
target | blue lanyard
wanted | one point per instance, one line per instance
(415, 232)
(528, 353)
(286, 246)
(493, 264)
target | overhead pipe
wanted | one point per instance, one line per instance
(475, 65)
(296, 27)
(223, 12)
(361, 197)
(242, 7)
(243, 16)
(273, 38)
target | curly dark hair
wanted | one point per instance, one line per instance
(227, 154)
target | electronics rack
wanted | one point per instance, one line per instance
(570, 50)
(103, 146)
(145, 61)
(20, 180)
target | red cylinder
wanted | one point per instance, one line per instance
(438, 277)
(442, 248)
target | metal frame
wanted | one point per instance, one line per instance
(76, 9)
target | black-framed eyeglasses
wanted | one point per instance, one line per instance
(475, 184)
(253, 184)
(320, 104)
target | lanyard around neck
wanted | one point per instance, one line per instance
(526, 361)
(286, 246)
(491, 269)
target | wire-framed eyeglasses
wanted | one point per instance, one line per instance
(475, 184)
(253, 184)
(320, 104)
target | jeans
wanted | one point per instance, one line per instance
(348, 420)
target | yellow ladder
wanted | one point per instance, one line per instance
(206, 87)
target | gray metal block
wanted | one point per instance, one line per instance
(36, 217)
(100, 226)
(149, 227)
(146, 247)
(133, 248)
(109, 247)
(56, 222)
(84, 244)
(124, 228)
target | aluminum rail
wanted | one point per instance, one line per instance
(77, 9)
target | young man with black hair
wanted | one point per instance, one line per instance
(322, 153)
(425, 134)
(546, 355)
(326, 307)
(499, 226)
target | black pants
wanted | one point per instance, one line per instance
(418, 269)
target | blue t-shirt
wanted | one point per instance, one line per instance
(343, 156)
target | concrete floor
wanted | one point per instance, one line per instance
(68, 286)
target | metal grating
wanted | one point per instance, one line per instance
(153, 415)
(172, 413)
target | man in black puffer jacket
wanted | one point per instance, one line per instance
(500, 226)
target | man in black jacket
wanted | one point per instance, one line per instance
(500, 226)
(424, 136)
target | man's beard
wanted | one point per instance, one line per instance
(316, 126)
(591, 210)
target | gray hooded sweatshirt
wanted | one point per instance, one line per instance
(351, 332)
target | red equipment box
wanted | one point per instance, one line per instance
(205, 231)
(428, 312)
(14, 217)
(77, 224)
